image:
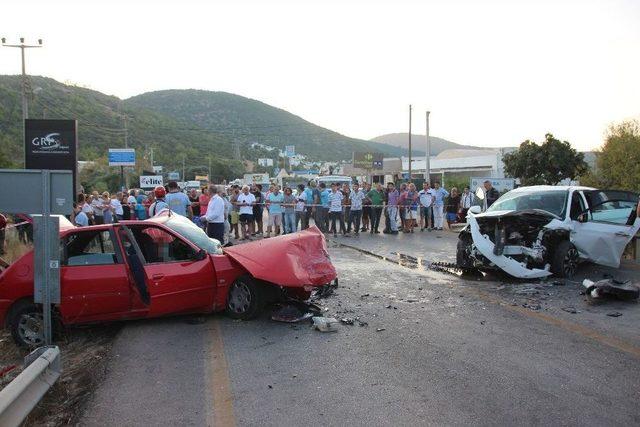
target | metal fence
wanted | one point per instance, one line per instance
(20, 396)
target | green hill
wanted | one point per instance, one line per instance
(246, 121)
(100, 125)
(438, 145)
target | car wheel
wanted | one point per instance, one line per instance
(462, 252)
(565, 260)
(27, 325)
(245, 299)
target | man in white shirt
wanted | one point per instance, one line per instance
(98, 208)
(426, 207)
(215, 215)
(245, 202)
(117, 206)
(466, 200)
(356, 196)
(335, 209)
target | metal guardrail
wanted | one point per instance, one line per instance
(21, 395)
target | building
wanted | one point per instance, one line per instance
(457, 164)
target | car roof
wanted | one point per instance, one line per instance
(551, 188)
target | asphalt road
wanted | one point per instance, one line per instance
(437, 350)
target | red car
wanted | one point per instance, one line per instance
(159, 267)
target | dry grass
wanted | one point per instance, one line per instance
(14, 248)
(85, 353)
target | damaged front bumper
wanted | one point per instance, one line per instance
(483, 252)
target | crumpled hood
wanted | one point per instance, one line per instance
(292, 260)
(507, 213)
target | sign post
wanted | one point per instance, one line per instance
(122, 157)
(45, 192)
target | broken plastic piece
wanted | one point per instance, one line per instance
(325, 324)
(610, 288)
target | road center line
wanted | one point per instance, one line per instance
(219, 382)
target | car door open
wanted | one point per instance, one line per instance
(608, 224)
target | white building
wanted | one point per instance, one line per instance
(460, 162)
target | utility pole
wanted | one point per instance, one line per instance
(209, 170)
(25, 105)
(409, 143)
(184, 158)
(427, 164)
(123, 178)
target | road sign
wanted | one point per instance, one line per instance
(22, 191)
(157, 169)
(122, 157)
(173, 176)
(290, 150)
(151, 181)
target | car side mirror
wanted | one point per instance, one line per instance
(200, 255)
(475, 209)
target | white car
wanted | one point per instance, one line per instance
(533, 232)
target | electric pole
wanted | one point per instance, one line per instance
(209, 170)
(409, 143)
(184, 158)
(427, 164)
(23, 46)
(123, 177)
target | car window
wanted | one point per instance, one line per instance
(617, 212)
(577, 205)
(551, 201)
(157, 245)
(88, 248)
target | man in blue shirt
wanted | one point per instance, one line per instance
(324, 208)
(275, 200)
(178, 201)
(439, 194)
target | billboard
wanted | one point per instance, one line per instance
(500, 184)
(173, 176)
(201, 178)
(256, 178)
(367, 160)
(265, 162)
(51, 144)
(122, 157)
(151, 181)
(157, 169)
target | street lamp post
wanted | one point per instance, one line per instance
(22, 46)
(427, 164)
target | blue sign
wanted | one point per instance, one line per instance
(290, 150)
(122, 157)
(173, 176)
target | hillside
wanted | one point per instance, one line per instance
(247, 120)
(418, 143)
(100, 126)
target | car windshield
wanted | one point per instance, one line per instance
(194, 234)
(554, 202)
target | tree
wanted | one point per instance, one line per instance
(547, 163)
(619, 157)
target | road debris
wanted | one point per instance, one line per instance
(571, 310)
(324, 291)
(611, 288)
(325, 324)
(294, 311)
(614, 314)
(380, 329)
(347, 321)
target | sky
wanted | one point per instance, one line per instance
(492, 73)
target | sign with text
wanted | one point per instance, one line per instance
(51, 144)
(290, 150)
(151, 181)
(202, 177)
(157, 169)
(367, 160)
(173, 176)
(500, 184)
(122, 157)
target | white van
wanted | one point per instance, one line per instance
(330, 179)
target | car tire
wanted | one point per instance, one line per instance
(565, 260)
(463, 260)
(245, 299)
(27, 325)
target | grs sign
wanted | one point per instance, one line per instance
(49, 143)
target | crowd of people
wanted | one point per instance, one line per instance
(238, 212)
